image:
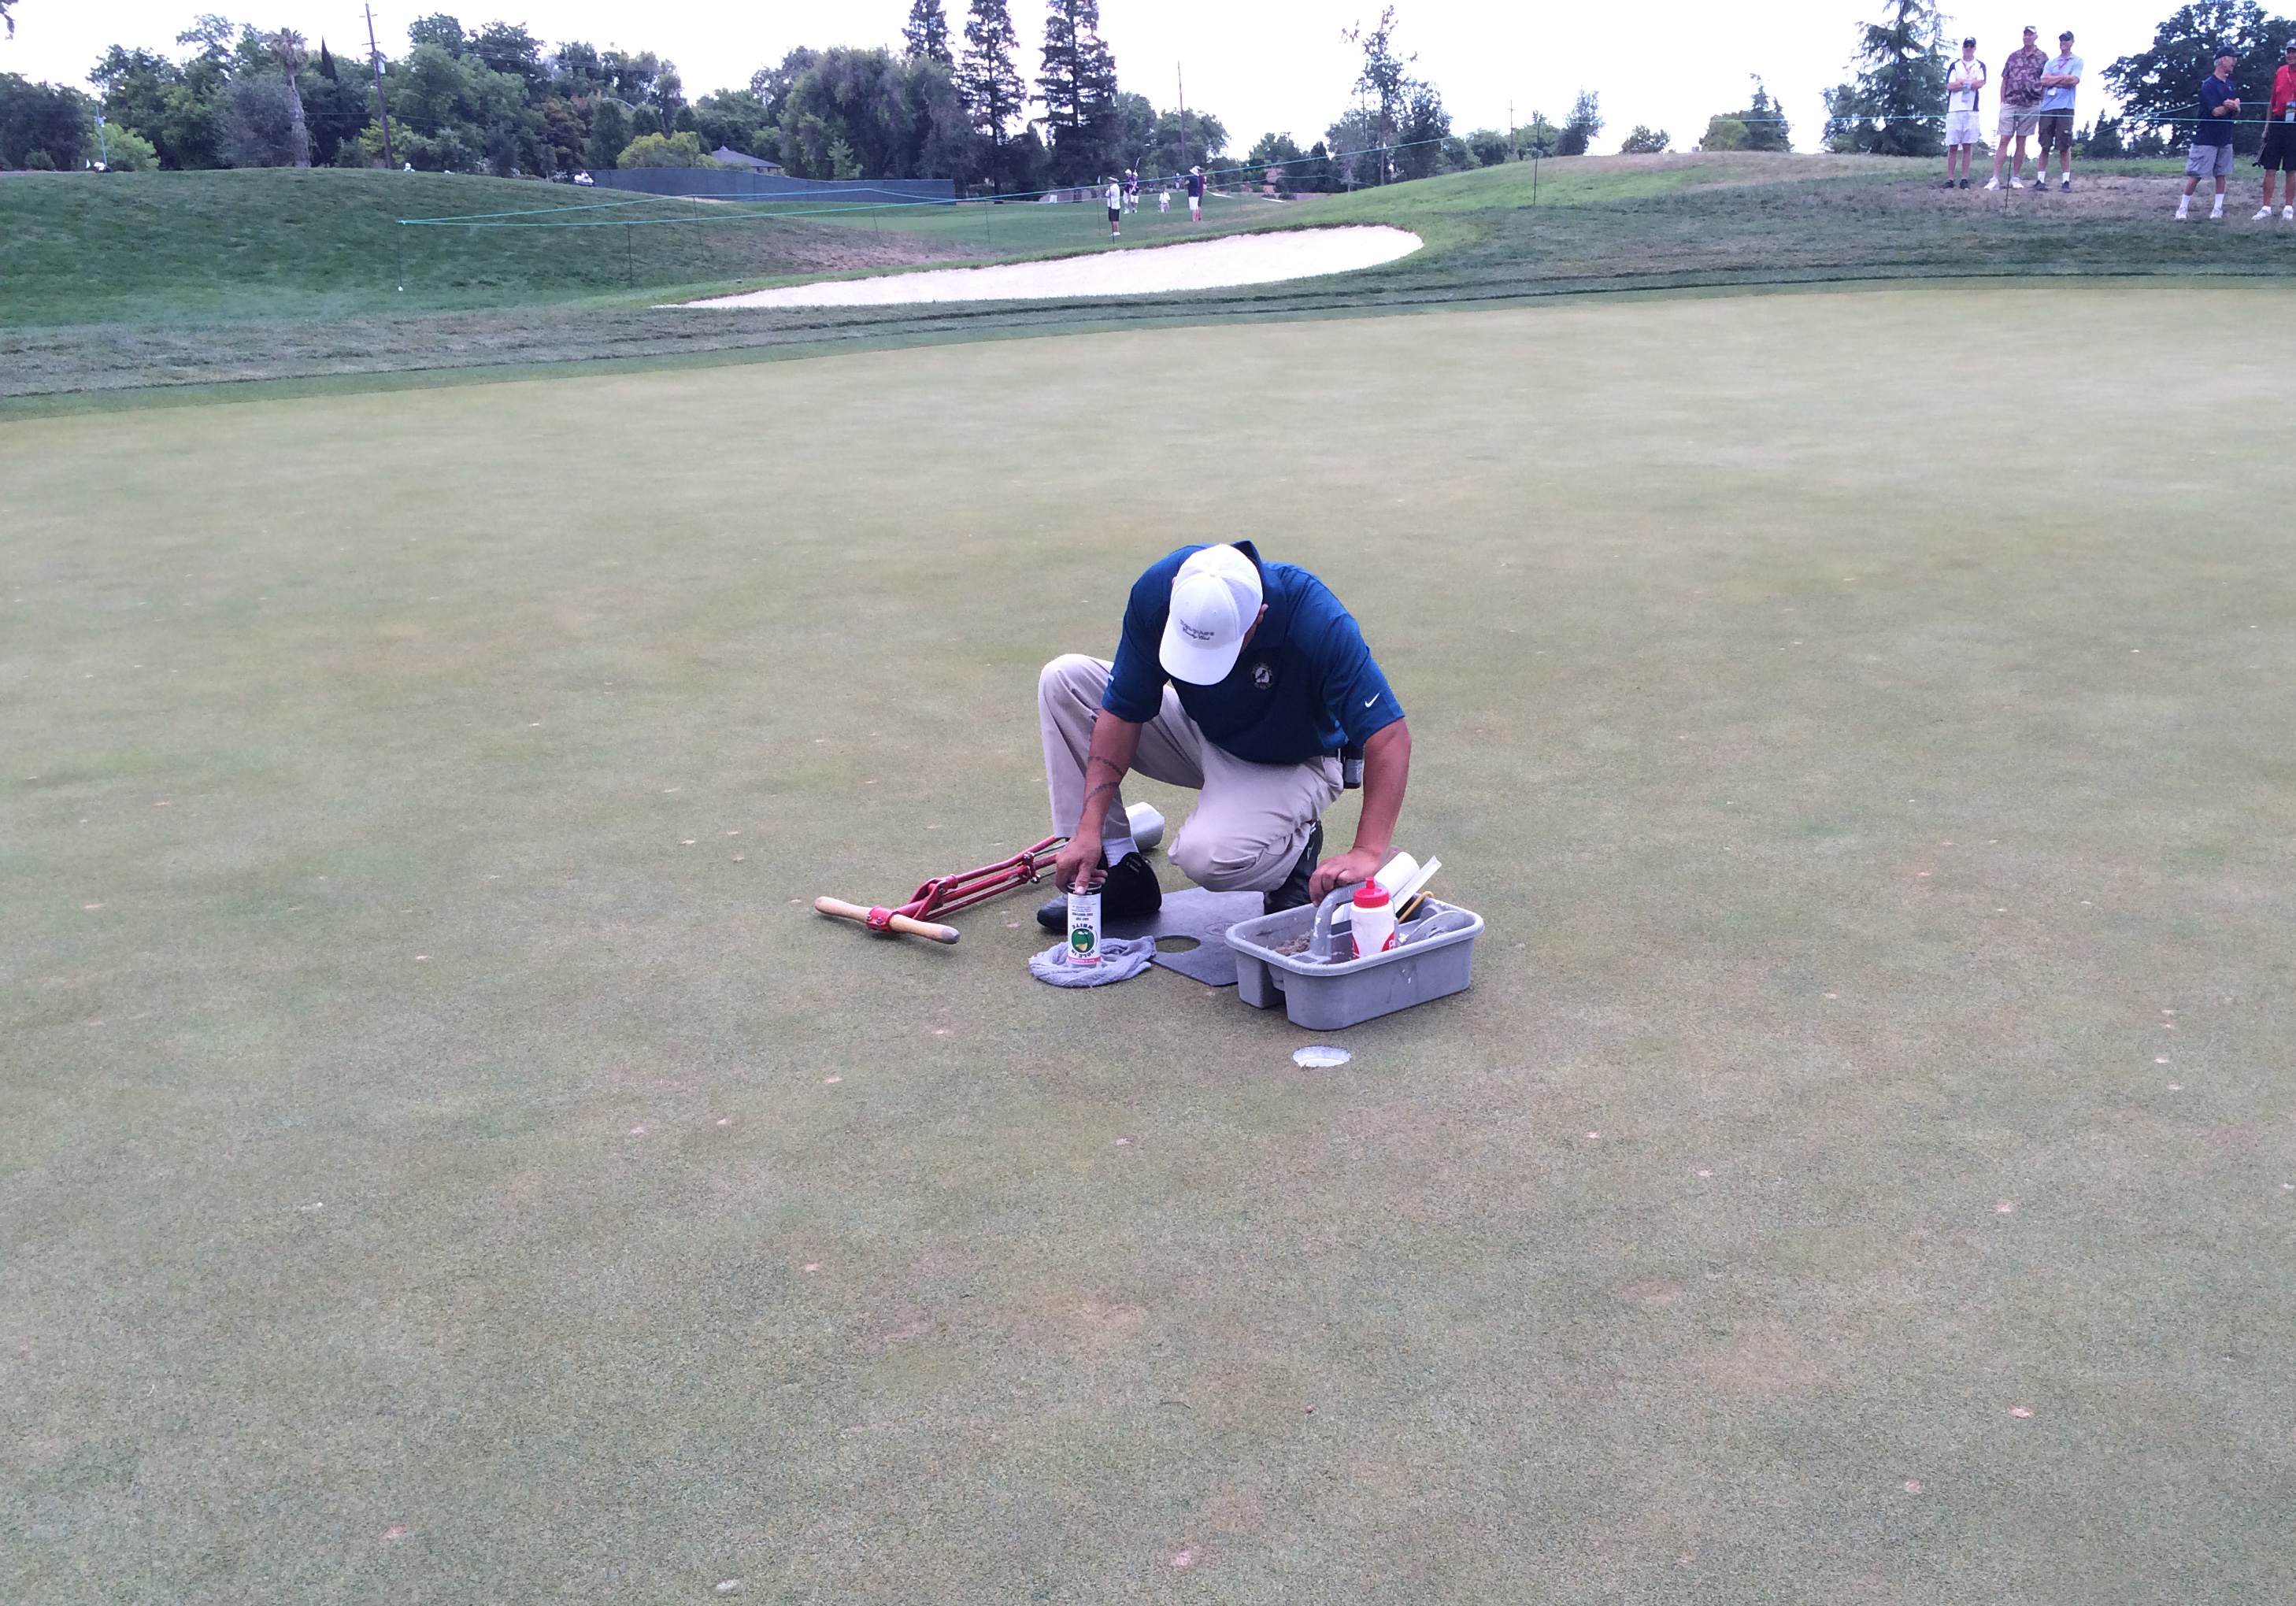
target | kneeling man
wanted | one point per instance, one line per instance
(1247, 681)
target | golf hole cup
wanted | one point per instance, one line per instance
(1084, 921)
(1373, 922)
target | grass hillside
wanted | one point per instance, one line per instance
(268, 243)
(132, 280)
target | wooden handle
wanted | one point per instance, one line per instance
(900, 922)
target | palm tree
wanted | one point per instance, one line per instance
(289, 46)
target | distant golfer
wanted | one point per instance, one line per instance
(1964, 87)
(2279, 152)
(1164, 199)
(2021, 107)
(1115, 208)
(2210, 155)
(1244, 679)
(1131, 190)
(1196, 195)
(2060, 79)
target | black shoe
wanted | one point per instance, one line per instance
(1965, 183)
(1294, 892)
(1128, 891)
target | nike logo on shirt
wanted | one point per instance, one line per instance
(1369, 700)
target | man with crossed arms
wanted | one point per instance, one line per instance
(2060, 77)
(1964, 87)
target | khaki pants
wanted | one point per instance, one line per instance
(1250, 820)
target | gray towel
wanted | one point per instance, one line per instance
(1120, 959)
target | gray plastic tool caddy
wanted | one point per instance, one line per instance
(1437, 959)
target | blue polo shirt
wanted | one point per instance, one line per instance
(2209, 129)
(1304, 687)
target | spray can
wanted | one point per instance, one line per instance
(1083, 921)
(1373, 921)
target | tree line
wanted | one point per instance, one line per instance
(948, 102)
(953, 103)
(498, 100)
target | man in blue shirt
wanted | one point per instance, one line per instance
(2060, 79)
(2210, 154)
(1245, 680)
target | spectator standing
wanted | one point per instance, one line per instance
(2059, 79)
(2279, 153)
(2210, 155)
(1131, 190)
(2021, 107)
(1164, 197)
(1115, 194)
(1964, 87)
(1196, 195)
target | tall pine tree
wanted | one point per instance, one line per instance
(1383, 90)
(1893, 109)
(989, 79)
(1078, 88)
(927, 32)
(1767, 128)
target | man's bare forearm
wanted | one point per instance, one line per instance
(1115, 743)
(1387, 774)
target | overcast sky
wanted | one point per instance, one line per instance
(1272, 64)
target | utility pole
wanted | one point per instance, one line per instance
(374, 60)
(1182, 85)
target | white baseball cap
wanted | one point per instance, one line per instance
(1215, 600)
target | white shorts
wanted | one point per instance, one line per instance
(1963, 128)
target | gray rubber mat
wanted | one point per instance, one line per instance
(1204, 916)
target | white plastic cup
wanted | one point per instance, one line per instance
(1395, 875)
(1147, 823)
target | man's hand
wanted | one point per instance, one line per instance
(1355, 864)
(1079, 853)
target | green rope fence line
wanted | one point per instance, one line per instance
(757, 209)
(795, 207)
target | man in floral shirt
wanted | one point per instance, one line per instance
(2020, 106)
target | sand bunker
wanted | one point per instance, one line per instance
(1146, 271)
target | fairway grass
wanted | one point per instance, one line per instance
(442, 1157)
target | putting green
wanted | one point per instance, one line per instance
(446, 1158)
